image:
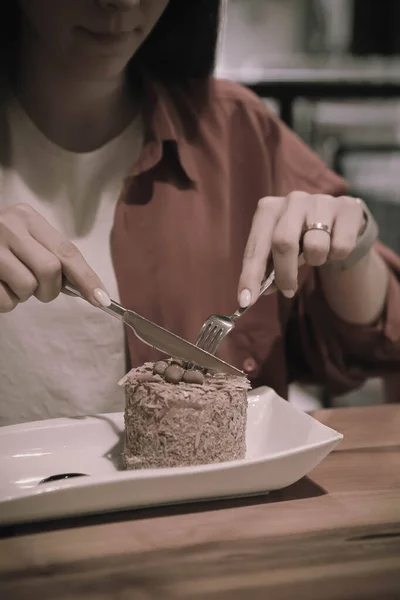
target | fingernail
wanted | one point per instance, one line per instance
(288, 293)
(101, 297)
(245, 298)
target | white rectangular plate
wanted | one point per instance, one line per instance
(283, 445)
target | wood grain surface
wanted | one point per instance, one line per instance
(332, 536)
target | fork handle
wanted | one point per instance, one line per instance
(266, 283)
(115, 309)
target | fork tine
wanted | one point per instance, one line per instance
(217, 340)
(203, 332)
(207, 336)
(210, 336)
(210, 340)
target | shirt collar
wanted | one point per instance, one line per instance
(169, 115)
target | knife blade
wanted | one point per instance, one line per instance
(173, 345)
(159, 338)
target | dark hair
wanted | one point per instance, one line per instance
(181, 46)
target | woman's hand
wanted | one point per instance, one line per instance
(279, 229)
(33, 258)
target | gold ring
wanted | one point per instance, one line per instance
(319, 227)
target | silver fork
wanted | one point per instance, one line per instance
(216, 327)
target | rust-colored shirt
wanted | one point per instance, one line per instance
(182, 223)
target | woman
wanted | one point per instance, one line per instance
(127, 168)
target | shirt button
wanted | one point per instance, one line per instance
(250, 366)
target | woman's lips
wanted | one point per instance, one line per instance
(107, 38)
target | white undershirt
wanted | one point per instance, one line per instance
(66, 357)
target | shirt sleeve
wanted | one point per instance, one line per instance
(320, 346)
(341, 356)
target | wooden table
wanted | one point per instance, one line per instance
(334, 535)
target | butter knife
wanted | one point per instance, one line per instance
(157, 337)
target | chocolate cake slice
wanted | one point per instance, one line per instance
(175, 418)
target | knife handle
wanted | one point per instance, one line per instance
(115, 309)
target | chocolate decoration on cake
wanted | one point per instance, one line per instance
(160, 367)
(193, 376)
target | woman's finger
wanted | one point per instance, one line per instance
(73, 265)
(286, 241)
(347, 226)
(8, 300)
(258, 249)
(316, 243)
(45, 266)
(18, 278)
